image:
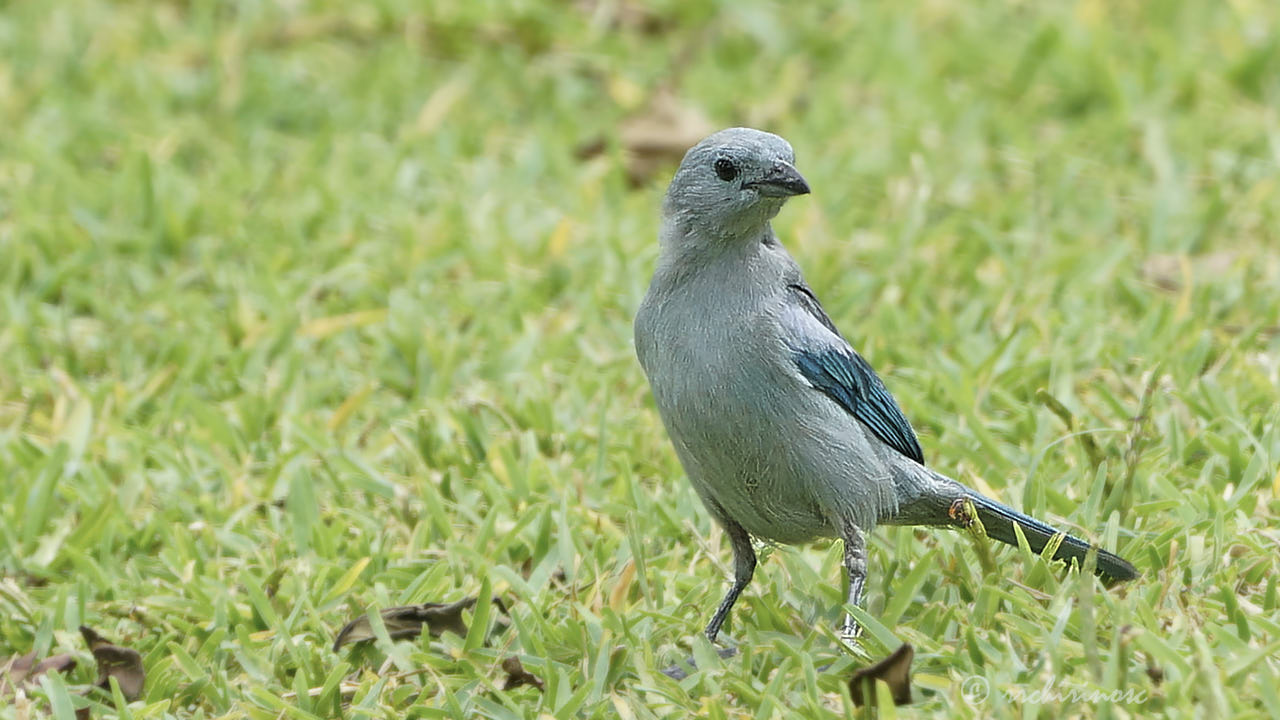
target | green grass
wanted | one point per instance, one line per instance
(311, 308)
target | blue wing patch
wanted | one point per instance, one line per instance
(846, 378)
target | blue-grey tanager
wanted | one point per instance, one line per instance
(784, 430)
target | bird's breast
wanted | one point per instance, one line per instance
(720, 381)
(733, 402)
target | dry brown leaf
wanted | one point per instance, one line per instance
(122, 663)
(15, 670)
(894, 670)
(517, 675)
(405, 622)
(625, 15)
(1171, 272)
(618, 596)
(660, 134)
(22, 669)
(655, 137)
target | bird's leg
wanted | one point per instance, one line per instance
(744, 566)
(855, 564)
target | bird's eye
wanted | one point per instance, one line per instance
(726, 169)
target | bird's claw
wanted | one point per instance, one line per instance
(850, 631)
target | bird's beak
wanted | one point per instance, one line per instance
(781, 180)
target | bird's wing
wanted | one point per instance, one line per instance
(831, 365)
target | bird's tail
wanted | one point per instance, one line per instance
(939, 500)
(999, 521)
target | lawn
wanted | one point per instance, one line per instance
(311, 309)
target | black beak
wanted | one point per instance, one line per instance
(781, 180)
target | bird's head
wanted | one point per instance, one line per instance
(732, 183)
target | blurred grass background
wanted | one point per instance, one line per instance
(313, 307)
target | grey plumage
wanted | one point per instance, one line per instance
(785, 432)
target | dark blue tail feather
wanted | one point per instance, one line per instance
(999, 521)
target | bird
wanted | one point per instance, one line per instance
(785, 432)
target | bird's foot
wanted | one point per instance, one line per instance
(681, 670)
